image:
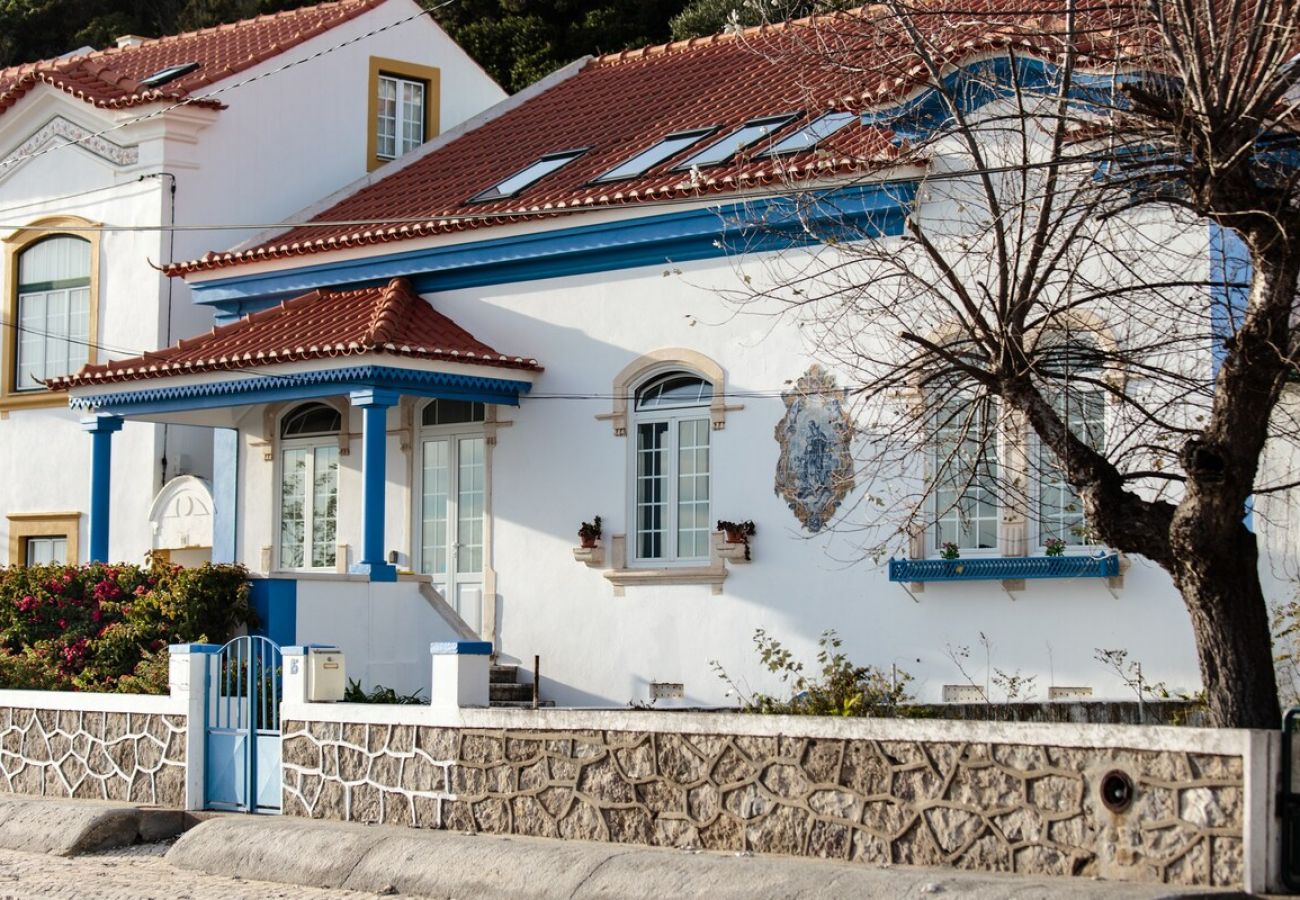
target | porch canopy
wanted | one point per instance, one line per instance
(373, 344)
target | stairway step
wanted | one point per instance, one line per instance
(503, 675)
(510, 692)
(521, 704)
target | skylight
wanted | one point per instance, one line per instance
(528, 175)
(813, 133)
(746, 136)
(171, 73)
(652, 156)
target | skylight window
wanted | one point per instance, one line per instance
(171, 73)
(528, 176)
(812, 134)
(653, 156)
(746, 136)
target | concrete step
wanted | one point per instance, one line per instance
(510, 692)
(521, 704)
(504, 674)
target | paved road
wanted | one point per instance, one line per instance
(136, 873)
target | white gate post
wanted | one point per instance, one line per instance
(460, 674)
(187, 677)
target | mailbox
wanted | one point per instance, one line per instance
(325, 675)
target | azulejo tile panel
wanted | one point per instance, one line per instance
(815, 469)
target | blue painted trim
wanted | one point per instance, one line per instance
(1230, 274)
(102, 429)
(756, 226)
(255, 388)
(1004, 568)
(984, 82)
(193, 648)
(374, 482)
(1231, 271)
(225, 493)
(276, 602)
(461, 648)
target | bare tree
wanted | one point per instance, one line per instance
(1045, 353)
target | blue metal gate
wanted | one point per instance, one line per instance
(242, 741)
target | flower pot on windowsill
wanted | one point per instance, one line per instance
(586, 542)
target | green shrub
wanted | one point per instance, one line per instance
(355, 693)
(841, 688)
(106, 627)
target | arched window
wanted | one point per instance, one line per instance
(671, 490)
(309, 486)
(1070, 370)
(52, 310)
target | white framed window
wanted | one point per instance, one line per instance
(399, 123)
(453, 503)
(964, 504)
(671, 469)
(53, 310)
(309, 487)
(1080, 400)
(47, 549)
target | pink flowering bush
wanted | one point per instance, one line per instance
(106, 627)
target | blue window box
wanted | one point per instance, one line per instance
(1004, 568)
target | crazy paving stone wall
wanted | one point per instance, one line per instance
(136, 757)
(992, 807)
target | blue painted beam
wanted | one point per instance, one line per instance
(102, 429)
(761, 225)
(374, 481)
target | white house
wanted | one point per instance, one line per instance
(102, 153)
(437, 373)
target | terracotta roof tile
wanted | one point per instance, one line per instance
(620, 104)
(388, 319)
(111, 78)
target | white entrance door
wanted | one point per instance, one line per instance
(453, 501)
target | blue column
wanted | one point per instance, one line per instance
(101, 430)
(374, 454)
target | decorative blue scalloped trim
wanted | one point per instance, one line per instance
(1004, 568)
(259, 388)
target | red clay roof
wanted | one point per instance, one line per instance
(111, 78)
(390, 319)
(620, 104)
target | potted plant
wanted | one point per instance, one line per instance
(1055, 547)
(589, 533)
(950, 553)
(738, 532)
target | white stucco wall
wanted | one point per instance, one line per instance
(282, 142)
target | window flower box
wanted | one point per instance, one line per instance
(1004, 568)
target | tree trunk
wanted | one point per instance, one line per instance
(1219, 581)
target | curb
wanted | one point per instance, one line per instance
(387, 859)
(70, 827)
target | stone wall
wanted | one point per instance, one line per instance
(993, 805)
(136, 757)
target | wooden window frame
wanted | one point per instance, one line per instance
(14, 245)
(396, 68)
(43, 524)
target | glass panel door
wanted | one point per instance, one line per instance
(453, 503)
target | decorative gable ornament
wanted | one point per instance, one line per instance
(815, 470)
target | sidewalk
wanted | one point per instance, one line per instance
(415, 862)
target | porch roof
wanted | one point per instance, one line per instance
(389, 319)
